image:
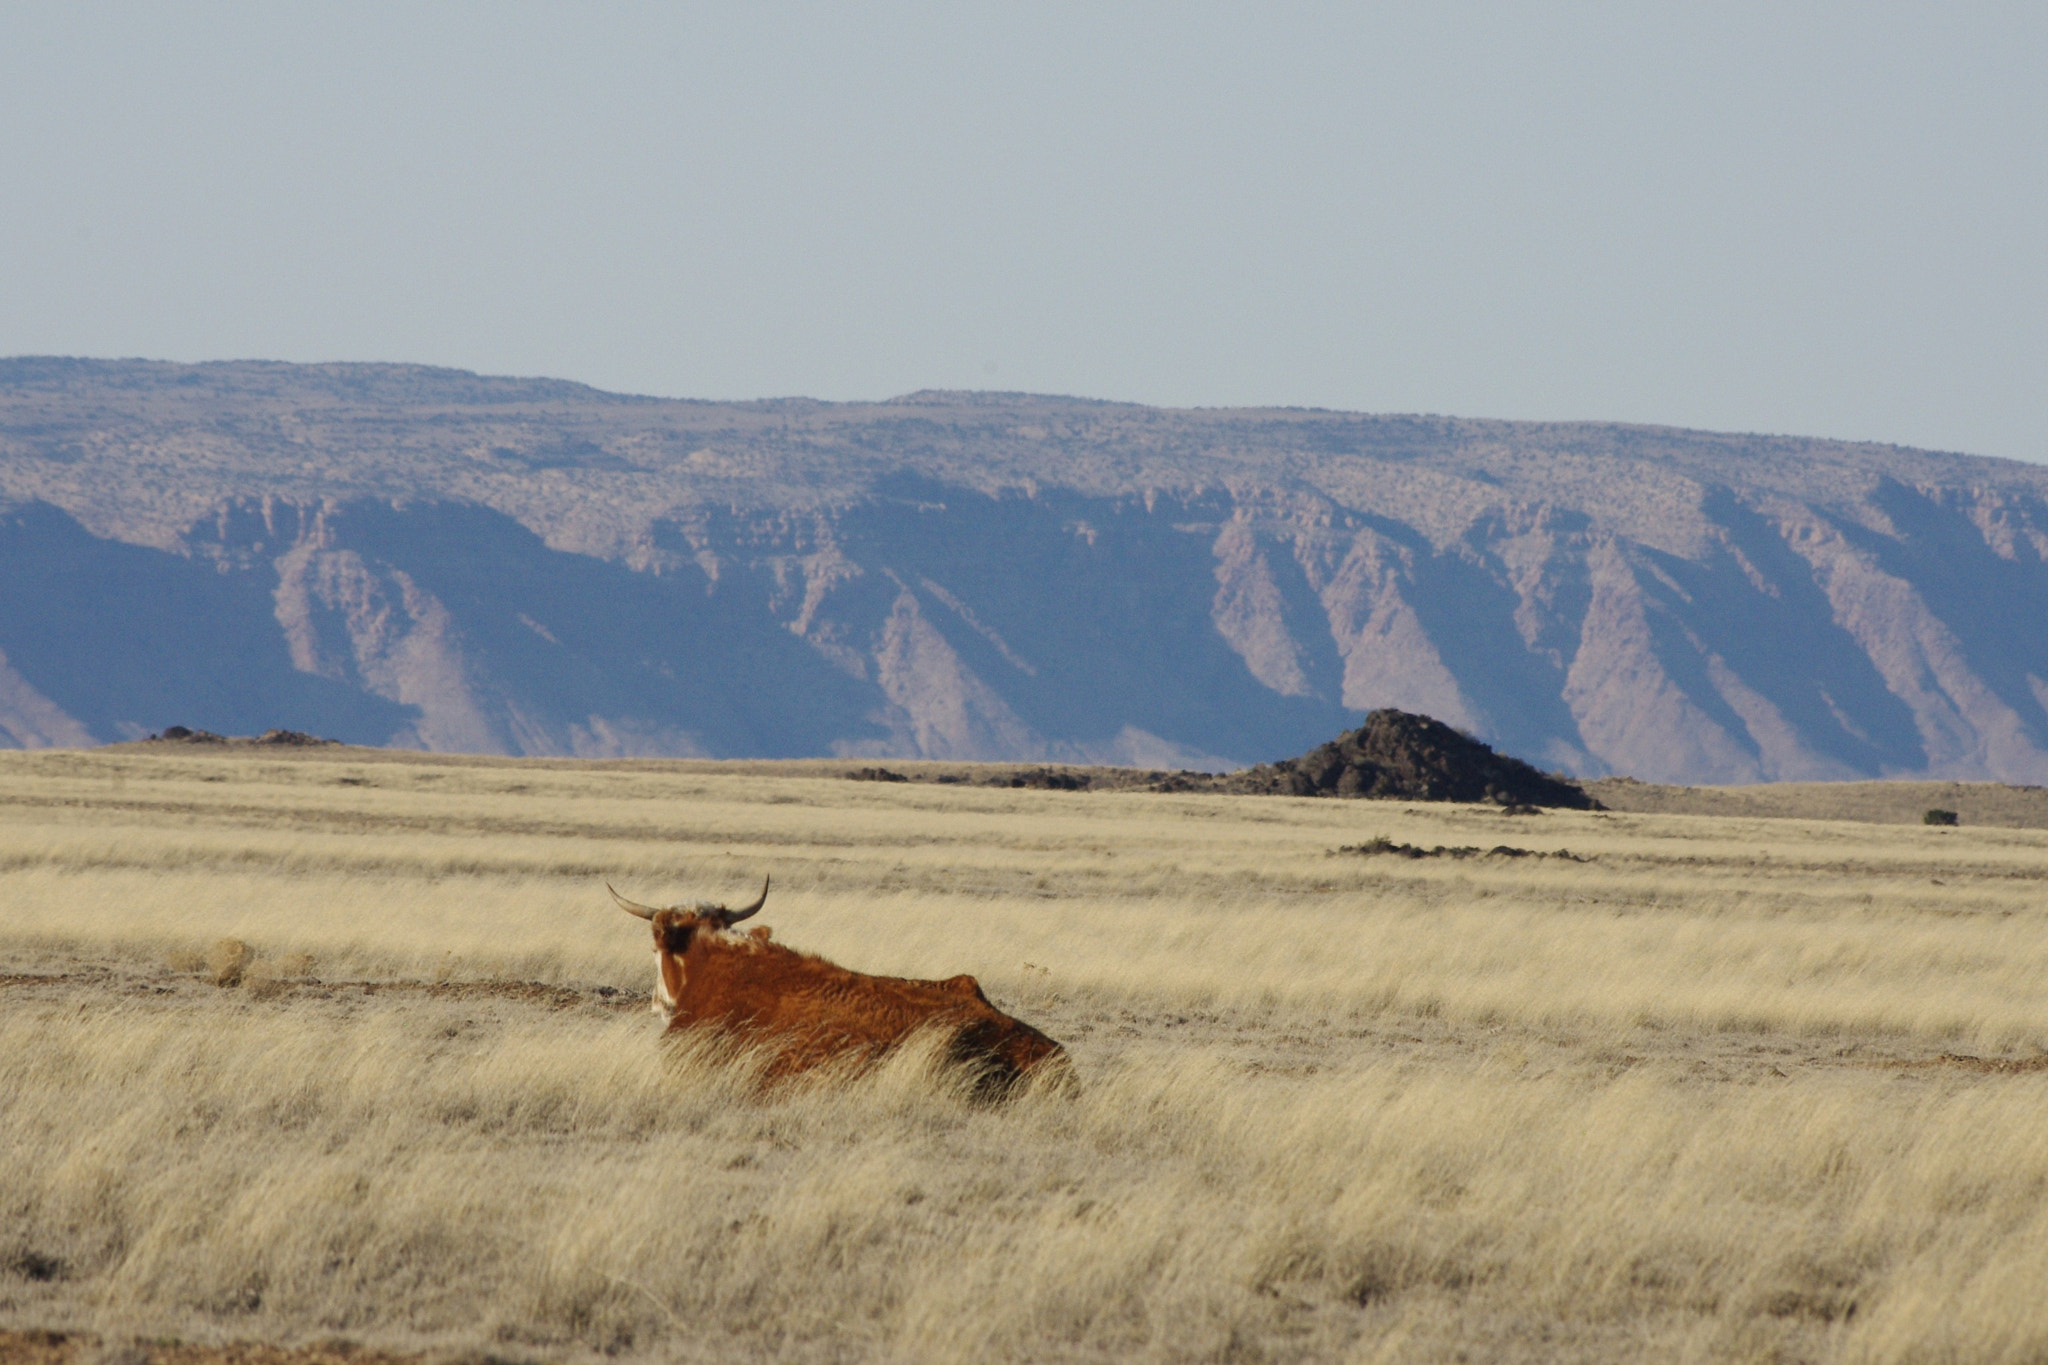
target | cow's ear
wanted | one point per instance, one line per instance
(964, 985)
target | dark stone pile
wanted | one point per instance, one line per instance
(1381, 844)
(1406, 757)
(294, 738)
(1043, 779)
(180, 734)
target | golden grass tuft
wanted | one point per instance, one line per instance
(229, 960)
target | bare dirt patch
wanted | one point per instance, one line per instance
(86, 985)
(1988, 1066)
(1385, 847)
(84, 1348)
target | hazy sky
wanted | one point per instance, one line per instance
(1827, 219)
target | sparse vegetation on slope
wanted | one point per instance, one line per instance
(431, 559)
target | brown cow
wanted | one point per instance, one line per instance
(809, 1011)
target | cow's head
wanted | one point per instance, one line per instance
(674, 926)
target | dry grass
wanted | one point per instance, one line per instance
(1686, 1100)
(1893, 803)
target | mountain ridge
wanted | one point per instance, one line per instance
(1001, 576)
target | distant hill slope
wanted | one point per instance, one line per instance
(398, 555)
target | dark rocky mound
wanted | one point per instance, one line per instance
(1408, 757)
(179, 734)
(1043, 779)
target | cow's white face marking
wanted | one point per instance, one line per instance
(665, 995)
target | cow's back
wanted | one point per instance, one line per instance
(808, 1011)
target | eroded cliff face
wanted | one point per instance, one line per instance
(412, 558)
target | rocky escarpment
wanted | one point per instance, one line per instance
(393, 555)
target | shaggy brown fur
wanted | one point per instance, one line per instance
(810, 1011)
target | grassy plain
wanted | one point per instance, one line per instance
(1729, 1089)
(1995, 804)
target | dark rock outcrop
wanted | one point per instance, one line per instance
(290, 739)
(1407, 757)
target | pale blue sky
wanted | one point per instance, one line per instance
(1826, 219)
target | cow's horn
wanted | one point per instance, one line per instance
(632, 907)
(732, 917)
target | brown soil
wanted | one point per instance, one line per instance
(1382, 846)
(534, 993)
(84, 1348)
(1991, 1066)
(525, 992)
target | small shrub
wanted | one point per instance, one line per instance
(229, 960)
(34, 1265)
(1939, 817)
